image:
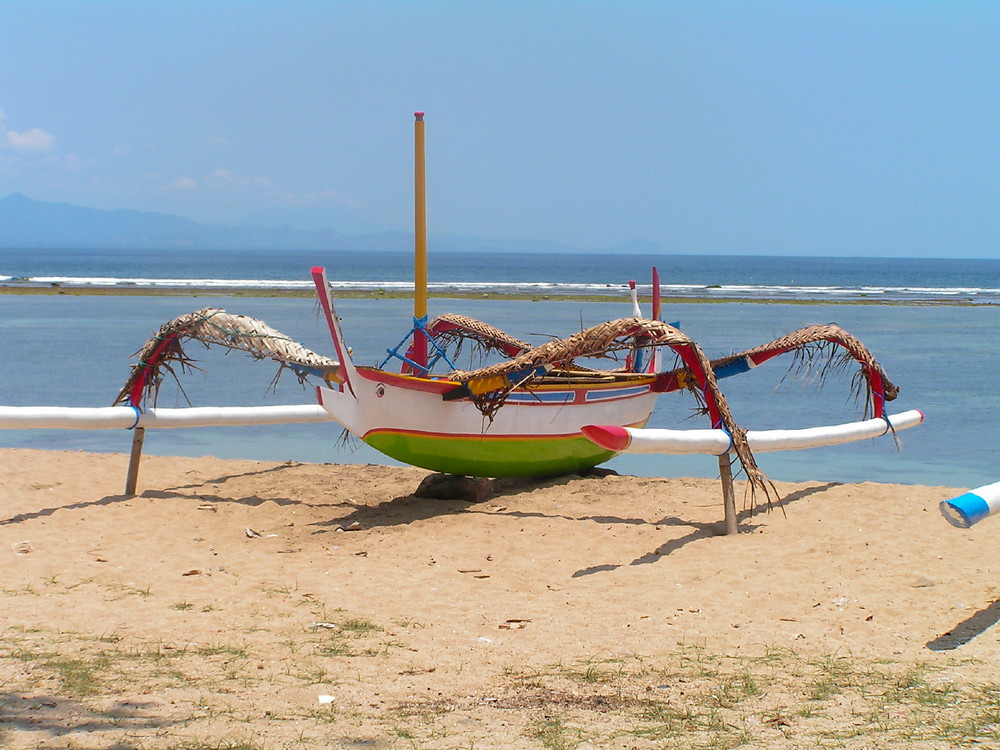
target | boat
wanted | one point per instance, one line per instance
(524, 415)
(522, 421)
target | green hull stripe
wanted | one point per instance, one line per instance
(491, 457)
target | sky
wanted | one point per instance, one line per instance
(767, 128)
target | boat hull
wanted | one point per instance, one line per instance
(535, 433)
(489, 456)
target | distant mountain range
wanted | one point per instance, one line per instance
(28, 224)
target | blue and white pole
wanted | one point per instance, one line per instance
(972, 507)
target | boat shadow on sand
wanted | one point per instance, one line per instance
(198, 490)
(447, 496)
(701, 530)
(457, 495)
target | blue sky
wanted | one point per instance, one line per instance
(788, 128)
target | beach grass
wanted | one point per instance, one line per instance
(110, 690)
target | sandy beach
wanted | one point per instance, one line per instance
(251, 605)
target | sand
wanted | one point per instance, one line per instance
(243, 604)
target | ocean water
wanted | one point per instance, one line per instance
(68, 350)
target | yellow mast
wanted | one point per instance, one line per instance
(420, 241)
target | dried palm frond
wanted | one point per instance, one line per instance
(819, 351)
(598, 341)
(456, 330)
(213, 326)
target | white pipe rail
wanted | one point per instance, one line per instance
(719, 443)
(128, 417)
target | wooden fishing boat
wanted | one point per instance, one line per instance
(439, 423)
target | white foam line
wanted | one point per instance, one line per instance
(722, 290)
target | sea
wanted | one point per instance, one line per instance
(931, 323)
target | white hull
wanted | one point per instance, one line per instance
(386, 403)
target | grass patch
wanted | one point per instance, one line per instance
(695, 698)
(359, 627)
(254, 694)
(555, 734)
(124, 590)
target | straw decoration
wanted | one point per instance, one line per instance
(816, 352)
(454, 330)
(214, 326)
